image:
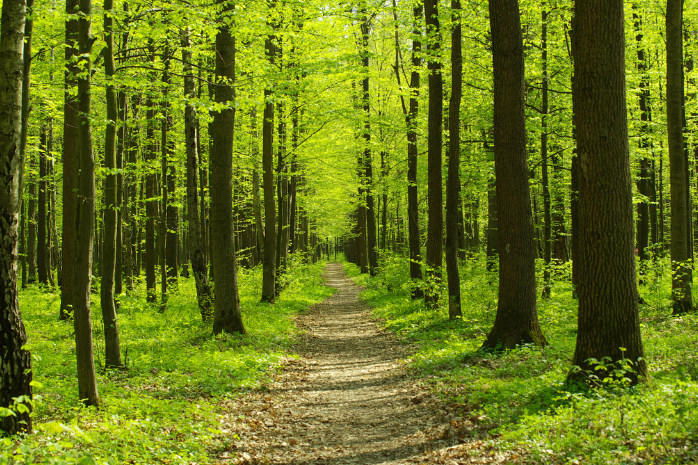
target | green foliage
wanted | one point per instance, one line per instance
(166, 405)
(518, 400)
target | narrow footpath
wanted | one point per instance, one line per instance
(347, 400)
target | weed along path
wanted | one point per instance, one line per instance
(347, 400)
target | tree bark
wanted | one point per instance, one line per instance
(170, 176)
(70, 162)
(516, 321)
(682, 278)
(150, 193)
(435, 123)
(112, 345)
(85, 217)
(227, 316)
(366, 161)
(608, 321)
(269, 266)
(453, 211)
(15, 362)
(547, 220)
(412, 159)
(196, 246)
(41, 239)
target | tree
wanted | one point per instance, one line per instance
(412, 158)
(269, 266)
(608, 321)
(435, 221)
(453, 211)
(85, 216)
(196, 247)
(226, 316)
(517, 317)
(70, 161)
(112, 345)
(682, 275)
(15, 360)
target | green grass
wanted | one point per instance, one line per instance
(167, 405)
(519, 398)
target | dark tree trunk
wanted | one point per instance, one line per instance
(281, 192)
(227, 316)
(453, 218)
(608, 321)
(269, 266)
(256, 201)
(435, 225)
(547, 221)
(682, 276)
(112, 345)
(41, 239)
(31, 239)
(85, 217)
(70, 162)
(196, 245)
(171, 212)
(366, 161)
(150, 193)
(517, 318)
(15, 361)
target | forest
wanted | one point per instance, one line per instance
(380, 231)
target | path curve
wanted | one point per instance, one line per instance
(347, 400)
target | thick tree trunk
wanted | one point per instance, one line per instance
(608, 321)
(435, 221)
(453, 218)
(70, 162)
(15, 361)
(85, 217)
(269, 266)
(196, 245)
(227, 316)
(682, 278)
(112, 345)
(517, 318)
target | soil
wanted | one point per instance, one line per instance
(347, 400)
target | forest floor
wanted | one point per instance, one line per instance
(348, 399)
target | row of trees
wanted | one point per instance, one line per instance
(117, 116)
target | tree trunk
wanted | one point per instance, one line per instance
(227, 316)
(15, 361)
(367, 162)
(31, 239)
(412, 159)
(517, 318)
(121, 213)
(196, 245)
(85, 217)
(269, 266)
(112, 345)
(453, 184)
(547, 223)
(171, 212)
(608, 321)
(435, 221)
(70, 162)
(41, 240)
(682, 278)
(150, 192)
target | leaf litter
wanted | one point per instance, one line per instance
(348, 399)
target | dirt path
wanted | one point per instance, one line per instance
(346, 401)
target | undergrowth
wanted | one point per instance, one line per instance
(165, 405)
(518, 401)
